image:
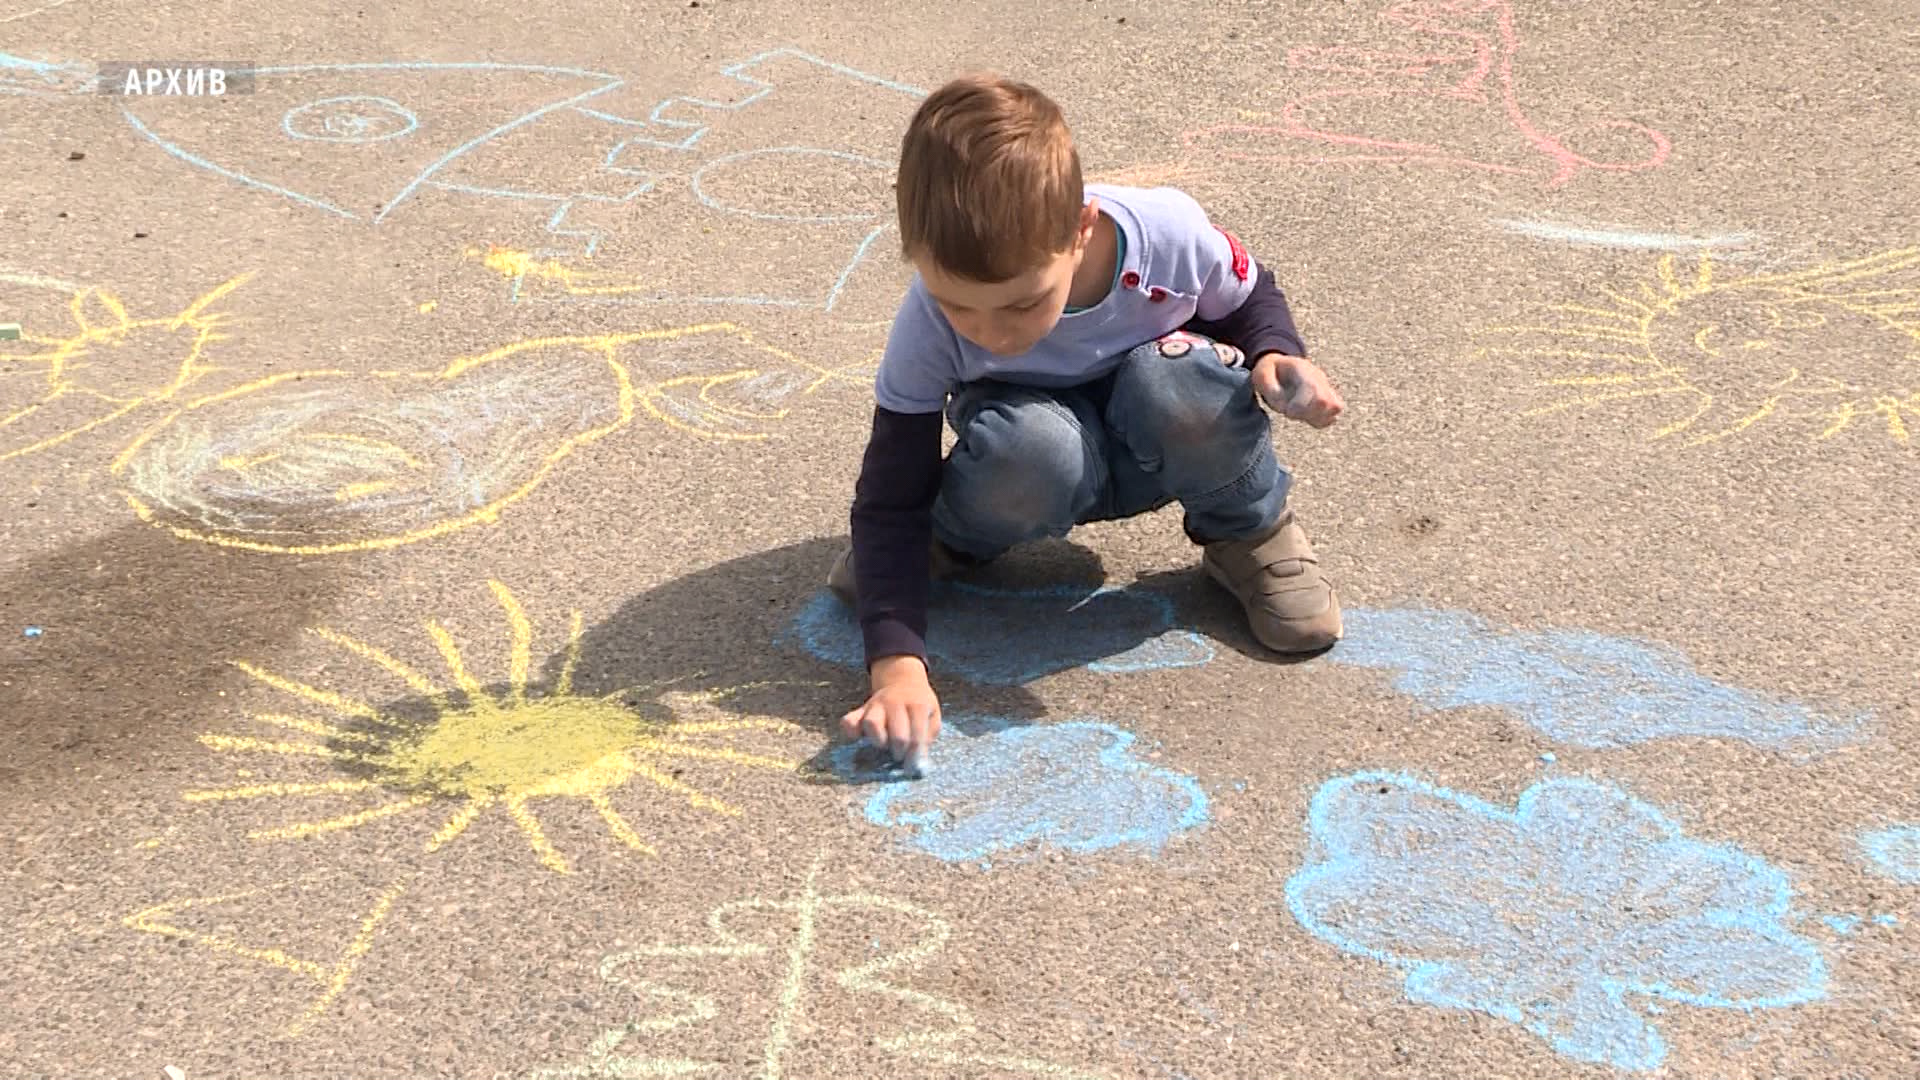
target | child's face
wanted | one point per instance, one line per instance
(1009, 317)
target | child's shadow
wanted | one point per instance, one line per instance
(762, 636)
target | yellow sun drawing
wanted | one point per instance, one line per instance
(1828, 348)
(463, 752)
(58, 383)
(475, 751)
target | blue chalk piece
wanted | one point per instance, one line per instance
(1009, 637)
(1574, 686)
(1842, 924)
(1564, 915)
(1548, 758)
(1886, 920)
(1074, 786)
(33, 631)
(1895, 852)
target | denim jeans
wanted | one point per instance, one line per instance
(1171, 423)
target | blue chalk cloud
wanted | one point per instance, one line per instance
(1575, 686)
(996, 787)
(1007, 637)
(1573, 915)
(1895, 852)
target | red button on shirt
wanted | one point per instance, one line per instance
(1130, 279)
(1156, 294)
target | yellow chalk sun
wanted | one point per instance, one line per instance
(1826, 347)
(480, 751)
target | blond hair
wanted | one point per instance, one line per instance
(989, 182)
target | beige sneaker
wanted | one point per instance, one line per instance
(942, 563)
(1290, 605)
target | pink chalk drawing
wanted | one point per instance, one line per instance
(1477, 60)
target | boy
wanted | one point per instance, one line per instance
(1053, 314)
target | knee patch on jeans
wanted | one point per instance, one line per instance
(1017, 472)
(1182, 343)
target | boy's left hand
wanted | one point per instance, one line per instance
(1296, 388)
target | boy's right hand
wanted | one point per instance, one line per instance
(902, 714)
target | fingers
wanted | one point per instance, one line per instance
(868, 722)
(1314, 402)
(926, 728)
(1266, 382)
(1321, 411)
(899, 734)
(1304, 400)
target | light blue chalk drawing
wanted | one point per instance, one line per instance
(40, 78)
(1895, 852)
(1575, 686)
(628, 169)
(1848, 925)
(1572, 915)
(354, 118)
(701, 178)
(590, 85)
(595, 83)
(1008, 637)
(1001, 789)
(665, 130)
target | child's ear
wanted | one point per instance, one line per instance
(1089, 217)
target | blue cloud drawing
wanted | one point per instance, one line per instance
(997, 787)
(1007, 637)
(1575, 686)
(1895, 852)
(1565, 915)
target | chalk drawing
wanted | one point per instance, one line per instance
(1895, 852)
(332, 975)
(1008, 637)
(43, 78)
(1459, 101)
(788, 951)
(322, 462)
(458, 753)
(31, 12)
(669, 155)
(1625, 239)
(999, 786)
(271, 153)
(479, 751)
(1576, 686)
(658, 178)
(1848, 925)
(1816, 350)
(350, 119)
(1573, 915)
(73, 374)
(707, 175)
